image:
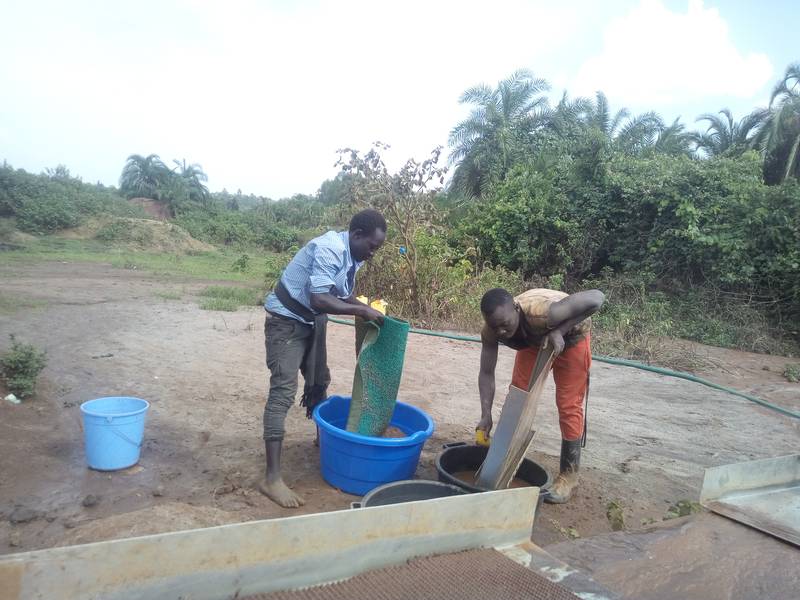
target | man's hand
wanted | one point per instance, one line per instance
(555, 340)
(370, 314)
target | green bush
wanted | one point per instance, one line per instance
(50, 202)
(121, 231)
(450, 285)
(238, 229)
(47, 214)
(21, 366)
(525, 225)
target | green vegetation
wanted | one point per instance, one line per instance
(55, 200)
(224, 304)
(229, 298)
(120, 231)
(691, 234)
(20, 367)
(682, 508)
(203, 265)
(169, 295)
(10, 304)
(149, 177)
(615, 513)
(792, 373)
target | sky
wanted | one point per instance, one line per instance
(262, 94)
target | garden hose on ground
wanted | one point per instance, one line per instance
(623, 363)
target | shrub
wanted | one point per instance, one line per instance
(47, 214)
(21, 366)
(120, 231)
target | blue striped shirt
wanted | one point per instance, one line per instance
(323, 265)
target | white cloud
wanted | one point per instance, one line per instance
(653, 56)
(261, 94)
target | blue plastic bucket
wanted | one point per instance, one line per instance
(358, 463)
(113, 429)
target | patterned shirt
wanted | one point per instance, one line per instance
(323, 265)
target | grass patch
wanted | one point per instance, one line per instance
(169, 295)
(225, 304)
(217, 266)
(10, 304)
(217, 297)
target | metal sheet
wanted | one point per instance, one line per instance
(260, 556)
(492, 465)
(764, 494)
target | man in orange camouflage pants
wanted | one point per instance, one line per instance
(524, 323)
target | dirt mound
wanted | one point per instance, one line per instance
(139, 234)
(171, 516)
(154, 208)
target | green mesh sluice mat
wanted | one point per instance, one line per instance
(377, 377)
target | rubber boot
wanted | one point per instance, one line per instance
(561, 489)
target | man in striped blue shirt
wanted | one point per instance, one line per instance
(320, 280)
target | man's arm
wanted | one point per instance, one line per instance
(567, 313)
(330, 304)
(486, 381)
(327, 262)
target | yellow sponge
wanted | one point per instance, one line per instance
(380, 305)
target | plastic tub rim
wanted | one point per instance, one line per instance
(91, 413)
(412, 440)
(363, 503)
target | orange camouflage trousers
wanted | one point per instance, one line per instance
(571, 376)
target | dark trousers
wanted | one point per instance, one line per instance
(287, 342)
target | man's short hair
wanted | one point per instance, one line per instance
(368, 221)
(493, 299)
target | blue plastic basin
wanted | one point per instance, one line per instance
(358, 463)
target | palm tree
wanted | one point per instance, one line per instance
(629, 134)
(487, 143)
(194, 177)
(143, 176)
(674, 140)
(779, 138)
(621, 131)
(726, 136)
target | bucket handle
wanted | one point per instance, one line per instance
(449, 445)
(118, 433)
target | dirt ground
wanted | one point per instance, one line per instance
(107, 332)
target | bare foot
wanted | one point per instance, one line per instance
(279, 492)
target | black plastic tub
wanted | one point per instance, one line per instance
(408, 490)
(461, 456)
